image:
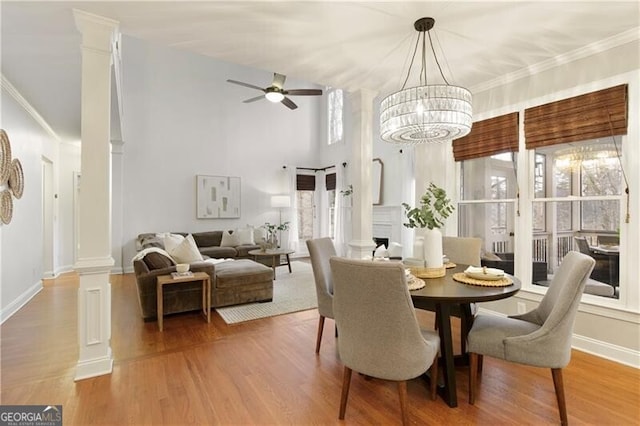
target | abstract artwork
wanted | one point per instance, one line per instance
(217, 197)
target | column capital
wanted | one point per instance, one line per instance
(98, 33)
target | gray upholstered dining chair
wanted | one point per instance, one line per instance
(465, 251)
(378, 332)
(462, 250)
(541, 337)
(320, 250)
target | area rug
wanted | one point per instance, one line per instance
(291, 293)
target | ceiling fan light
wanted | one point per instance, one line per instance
(274, 96)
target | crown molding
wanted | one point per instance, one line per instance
(13, 92)
(600, 46)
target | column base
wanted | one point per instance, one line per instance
(94, 367)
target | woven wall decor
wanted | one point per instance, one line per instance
(5, 157)
(6, 207)
(11, 179)
(16, 179)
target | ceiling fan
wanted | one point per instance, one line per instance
(277, 93)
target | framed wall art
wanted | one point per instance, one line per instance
(217, 197)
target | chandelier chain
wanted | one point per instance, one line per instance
(413, 57)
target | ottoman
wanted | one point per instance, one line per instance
(241, 281)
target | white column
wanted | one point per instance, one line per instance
(94, 254)
(117, 220)
(361, 243)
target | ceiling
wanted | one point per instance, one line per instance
(350, 45)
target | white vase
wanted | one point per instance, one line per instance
(418, 248)
(433, 248)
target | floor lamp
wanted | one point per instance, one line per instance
(280, 202)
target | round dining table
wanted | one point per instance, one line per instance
(444, 295)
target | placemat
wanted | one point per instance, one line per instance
(450, 265)
(414, 283)
(502, 282)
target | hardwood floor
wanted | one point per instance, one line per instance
(266, 372)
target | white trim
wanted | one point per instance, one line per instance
(94, 367)
(606, 350)
(582, 52)
(13, 92)
(20, 301)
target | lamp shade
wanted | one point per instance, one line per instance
(280, 201)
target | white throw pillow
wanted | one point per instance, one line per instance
(228, 239)
(186, 252)
(172, 241)
(259, 234)
(244, 236)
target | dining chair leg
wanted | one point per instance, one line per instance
(480, 362)
(473, 375)
(404, 409)
(559, 386)
(346, 382)
(319, 338)
(433, 372)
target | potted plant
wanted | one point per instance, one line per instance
(431, 214)
(271, 242)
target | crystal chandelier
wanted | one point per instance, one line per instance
(428, 112)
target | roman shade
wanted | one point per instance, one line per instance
(589, 116)
(305, 182)
(488, 137)
(330, 181)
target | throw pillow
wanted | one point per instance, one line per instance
(187, 251)
(155, 260)
(491, 256)
(229, 239)
(244, 236)
(259, 234)
(171, 241)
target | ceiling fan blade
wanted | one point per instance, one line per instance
(257, 98)
(289, 103)
(303, 92)
(278, 80)
(245, 85)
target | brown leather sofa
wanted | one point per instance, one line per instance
(232, 283)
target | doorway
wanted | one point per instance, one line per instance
(47, 218)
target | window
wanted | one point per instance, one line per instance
(305, 193)
(305, 214)
(334, 113)
(484, 181)
(589, 175)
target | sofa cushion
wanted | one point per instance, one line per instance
(186, 251)
(241, 272)
(207, 239)
(219, 252)
(155, 260)
(243, 251)
(228, 239)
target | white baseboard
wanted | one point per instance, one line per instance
(598, 348)
(62, 270)
(606, 350)
(94, 367)
(127, 270)
(118, 270)
(18, 303)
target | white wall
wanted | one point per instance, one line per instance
(22, 249)
(181, 119)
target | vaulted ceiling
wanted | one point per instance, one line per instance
(350, 45)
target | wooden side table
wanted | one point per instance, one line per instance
(163, 280)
